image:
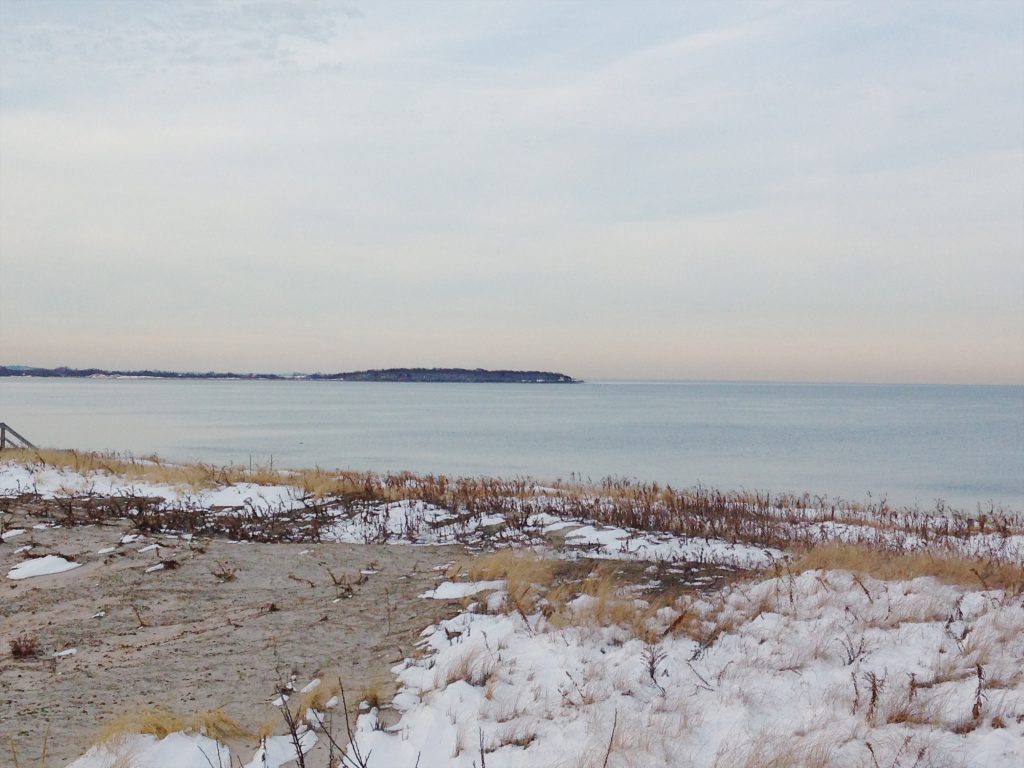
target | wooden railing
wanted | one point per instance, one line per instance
(11, 439)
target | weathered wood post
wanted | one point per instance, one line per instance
(4, 439)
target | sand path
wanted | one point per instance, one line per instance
(203, 642)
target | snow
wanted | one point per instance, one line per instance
(68, 652)
(619, 543)
(176, 750)
(250, 494)
(777, 681)
(185, 750)
(53, 482)
(41, 566)
(406, 521)
(278, 750)
(454, 590)
(780, 672)
(11, 533)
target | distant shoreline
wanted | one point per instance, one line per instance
(399, 375)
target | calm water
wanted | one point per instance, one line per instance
(909, 443)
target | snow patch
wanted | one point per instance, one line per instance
(41, 566)
(450, 590)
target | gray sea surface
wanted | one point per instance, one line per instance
(911, 444)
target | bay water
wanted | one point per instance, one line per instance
(908, 443)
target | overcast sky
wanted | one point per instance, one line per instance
(770, 190)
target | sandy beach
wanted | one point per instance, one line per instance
(204, 643)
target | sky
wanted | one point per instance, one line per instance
(796, 191)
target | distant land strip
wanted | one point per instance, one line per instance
(432, 375)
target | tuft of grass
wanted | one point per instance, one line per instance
(317, 698)
(568, 593)
(267, 728)
(518, 564)
(474, 666)
(764, 751)
(155, 721)
(218, 725)
(194, 476)
(159, 722)
(373, 693)
(891, 566)
(604, 597)
(527, 575)
(25, 646)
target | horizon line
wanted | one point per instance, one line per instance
(598, 379)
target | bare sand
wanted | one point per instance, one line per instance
(182, 638)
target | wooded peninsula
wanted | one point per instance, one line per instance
(423, 375)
